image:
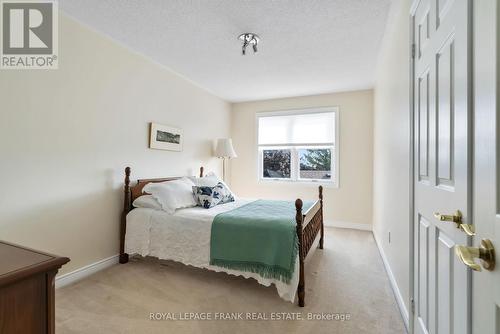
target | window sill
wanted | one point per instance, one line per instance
(291, 183)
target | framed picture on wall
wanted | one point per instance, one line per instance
(164, 137)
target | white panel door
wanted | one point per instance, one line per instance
(442, 180)
(486, 284)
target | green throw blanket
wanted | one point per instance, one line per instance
(258, 237)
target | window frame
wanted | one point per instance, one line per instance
(261, 163)
(295, 160)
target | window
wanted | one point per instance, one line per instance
(298, 145)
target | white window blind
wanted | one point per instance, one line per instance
(298, 145)
(299, 129)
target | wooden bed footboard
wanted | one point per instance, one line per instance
(309, 224)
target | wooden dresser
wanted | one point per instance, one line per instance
(27, 290)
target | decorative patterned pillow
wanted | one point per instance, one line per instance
(208, 197)
(226, 194)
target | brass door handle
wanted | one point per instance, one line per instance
(486, 252)
(457, 219)
(468, 229)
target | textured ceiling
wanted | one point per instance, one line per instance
(307, 47)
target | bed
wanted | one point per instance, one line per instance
(185, 236)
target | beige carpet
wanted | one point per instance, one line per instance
(347, 277)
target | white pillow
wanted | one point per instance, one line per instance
(172, 195)
(210, 180)
(146, 201)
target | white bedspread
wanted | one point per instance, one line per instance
(185, 237)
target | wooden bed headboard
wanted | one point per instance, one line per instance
(131, 193)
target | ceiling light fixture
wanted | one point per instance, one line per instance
(249, 38)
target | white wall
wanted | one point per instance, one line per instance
(391, 148)
(351, 204)
(66, 135)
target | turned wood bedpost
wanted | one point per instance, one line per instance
(321, 212)
(201, 171)
(127, 206)
(299, 218)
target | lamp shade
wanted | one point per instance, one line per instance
(225, 148)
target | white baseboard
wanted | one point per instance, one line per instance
(86, 271)
(341, 224)
(395, 288)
